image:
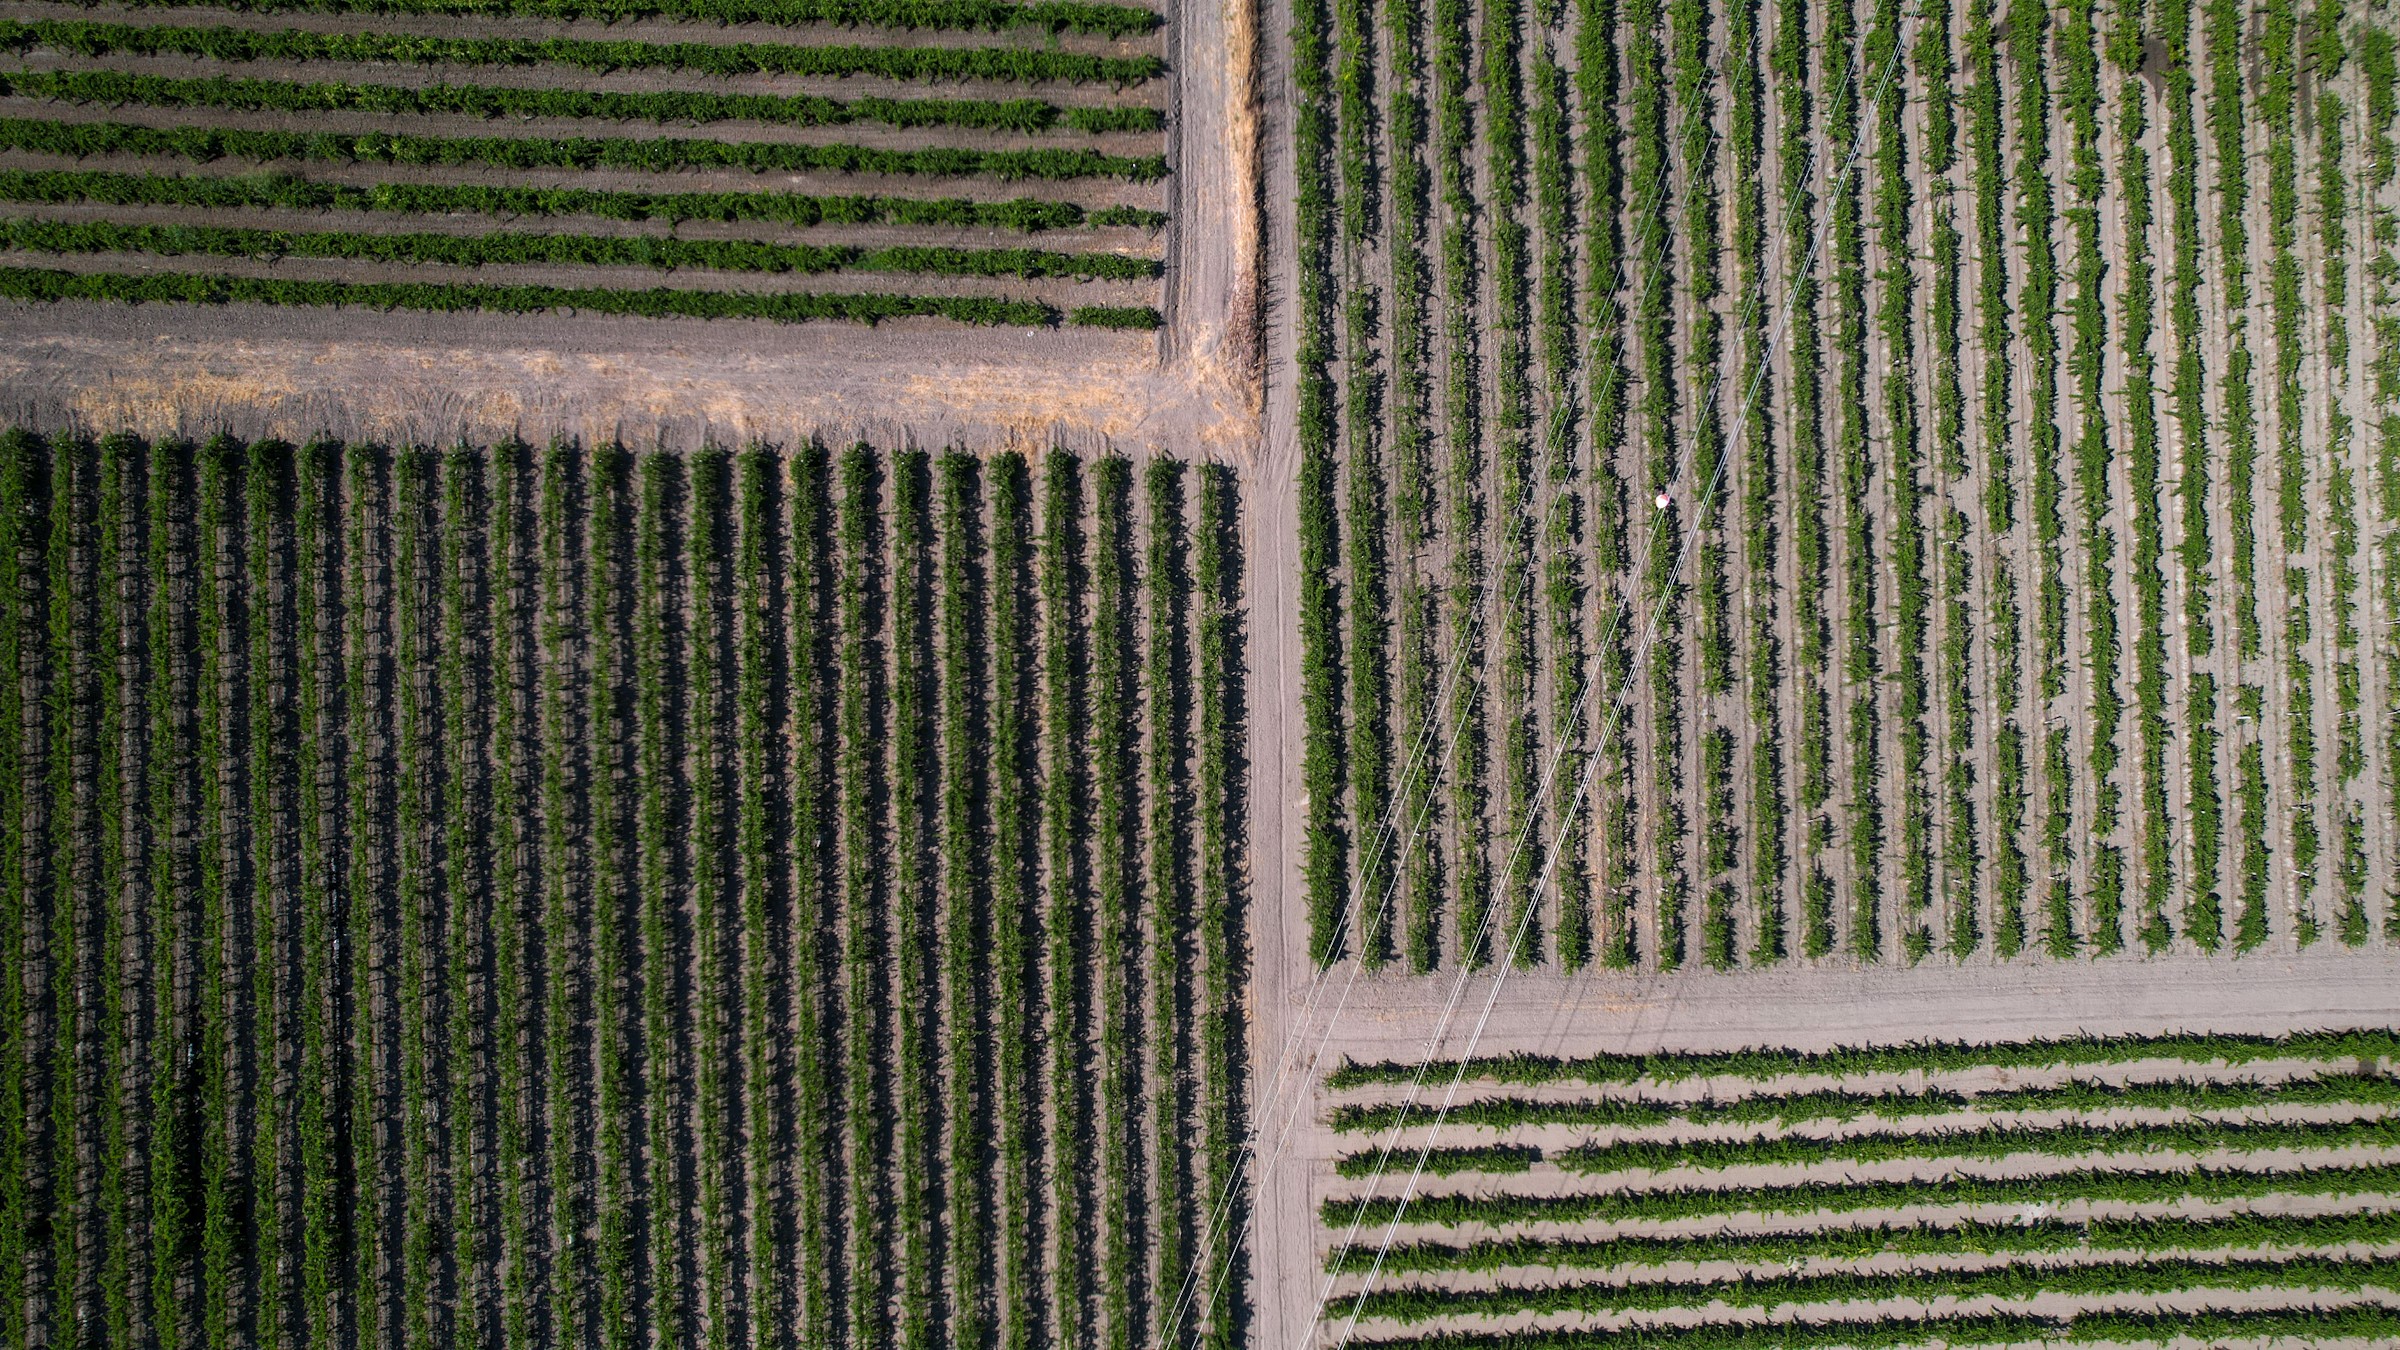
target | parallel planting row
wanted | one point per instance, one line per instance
(527, 898)
(985, 163)
(2135, 1190)
(1928, 481)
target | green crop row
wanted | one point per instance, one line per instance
(1216, 573)
(1810, 546)
(202, 145)
(1325, 869)
(1991, 1140)
(2151, 1275)
(1367, 748)
(120, 89)
(1562, 574)
(2225, 22)
(1166, 683)
(1114, 754)
(86, 38)
(1014, 923)
(1065, 824)
(1652, 420)
(18, 283)
(665, 1059)
(1761, 503)
(963, 642)
(1014, 856)
(2110, 1182)
(1512, 704)
(2079, 107)
(1904, 469)
(2137, 306)
(1980, 49)
(1719, 843)
(114, 797)
(1413, 490)
(1843, 73)
(1762, 1063)
(2136, 1237)
(1597, 85)
(565, 250)
(63, 713)
(514, 949)
(2203, 917)
(1058, 16)
(1462, 407)
(759, 775)
(415, 539)
(915, 1060)
(866, 1007)
(1133, 318)
(2364, 1321)
(1440, 1162)
(466, 733)
(1845, 1106)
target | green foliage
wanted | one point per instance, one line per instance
(1140, 318)
(2363, 1321)
(1216, 574)
(2105, 1183)
(1844, 1106)
(502, 249)
(91, 39)
(1325, 869)
(1762, 1063)
(2155, 1275)
(202, 145)
(1440, 1162)
(18, 283)
(2134, 1239)
(1015, 918)
(1058, 16)
(801, 210)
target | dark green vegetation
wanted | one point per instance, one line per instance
(214, 156)
(1919, 493)
(565, 897)
(2101, 1175)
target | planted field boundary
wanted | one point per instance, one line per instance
(314, 142)
(557, 1006)
(2054, 544)
(2135, 1189)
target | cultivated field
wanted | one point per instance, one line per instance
(514, 897)
(2133, 1190)
(846, 159)
(1859, 482)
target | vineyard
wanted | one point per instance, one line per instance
(523, 897)
(1868, 483)
(2139, 1190)
(862, 160)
